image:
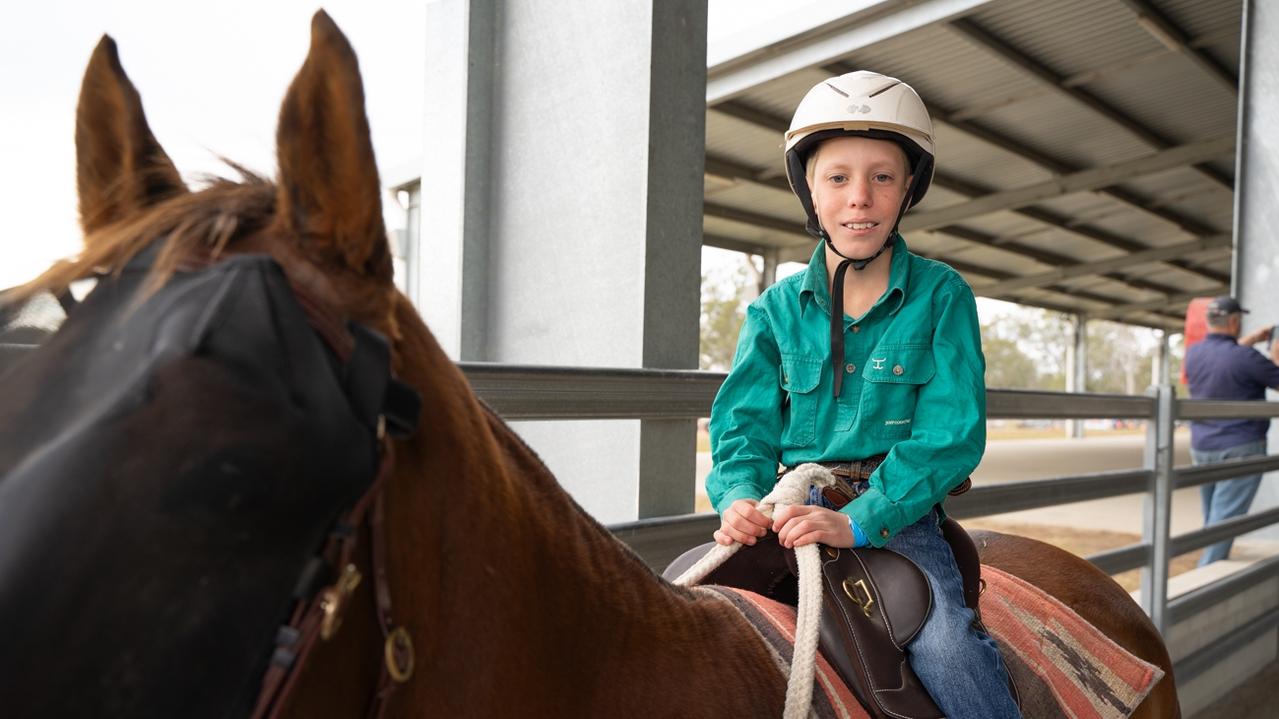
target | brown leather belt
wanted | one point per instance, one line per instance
(849, 474)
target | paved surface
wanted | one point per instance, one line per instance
(1013, 460)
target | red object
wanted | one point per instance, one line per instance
(1196, 326)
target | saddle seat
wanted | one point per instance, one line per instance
(874, 601)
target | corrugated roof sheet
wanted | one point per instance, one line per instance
(1000, 127)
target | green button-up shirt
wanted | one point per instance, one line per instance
(914, 388)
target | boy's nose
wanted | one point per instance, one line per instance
(859, 193)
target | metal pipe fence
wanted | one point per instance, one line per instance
(563, 393)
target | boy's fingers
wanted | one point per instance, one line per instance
(745, 526)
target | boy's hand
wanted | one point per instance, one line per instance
(797, 525)
(741, 522)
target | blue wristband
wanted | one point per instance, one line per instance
(859, 537)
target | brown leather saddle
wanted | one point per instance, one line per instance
(874, 602)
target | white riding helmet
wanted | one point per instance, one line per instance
(860, 103)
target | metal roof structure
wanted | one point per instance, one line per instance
(1086, 149)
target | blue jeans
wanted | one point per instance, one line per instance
(1229, 497)
(957, 662)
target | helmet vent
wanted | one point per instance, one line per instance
(885, 88)
(836, 89)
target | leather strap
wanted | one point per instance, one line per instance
(837, 325)
(296, 640)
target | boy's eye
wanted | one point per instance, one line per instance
(837, 178)
(883, 177)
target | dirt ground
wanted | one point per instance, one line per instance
(1083, 543)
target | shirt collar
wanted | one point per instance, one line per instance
(816, 288)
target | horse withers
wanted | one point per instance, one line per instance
(515, 600)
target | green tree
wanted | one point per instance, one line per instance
(1117, 361)
(724, 301)
(1026, 349)
(1007, 367)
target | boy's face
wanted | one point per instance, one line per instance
(858, 185)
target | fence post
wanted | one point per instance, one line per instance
(1157, 518)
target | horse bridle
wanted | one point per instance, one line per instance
(320, 598)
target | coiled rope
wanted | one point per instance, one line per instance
(791, 489)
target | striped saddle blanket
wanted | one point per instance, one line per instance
(1063, 666)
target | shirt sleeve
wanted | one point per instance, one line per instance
(1262, 369)
(746, 418)
(948, 435)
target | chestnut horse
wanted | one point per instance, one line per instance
(517, 602)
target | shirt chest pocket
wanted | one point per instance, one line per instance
(800, 375)
(893, 375)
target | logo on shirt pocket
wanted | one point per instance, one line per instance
(892, 389)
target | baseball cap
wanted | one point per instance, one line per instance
(1224, 305)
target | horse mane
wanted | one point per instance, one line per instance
(202, 223)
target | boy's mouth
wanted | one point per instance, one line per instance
(861, 225)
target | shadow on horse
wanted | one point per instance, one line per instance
(517, 601)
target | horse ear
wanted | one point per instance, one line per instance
(329, 192)
(120, 168)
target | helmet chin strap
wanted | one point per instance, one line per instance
(837, 286)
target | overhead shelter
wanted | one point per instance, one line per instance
(1085, 150)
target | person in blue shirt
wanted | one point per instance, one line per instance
(1225, 366)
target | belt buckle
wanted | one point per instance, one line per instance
(841, 492)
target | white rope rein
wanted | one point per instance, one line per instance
(791, 489)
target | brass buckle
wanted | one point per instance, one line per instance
(866, 603)
(399, 655)
(333, 600)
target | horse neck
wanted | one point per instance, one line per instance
(516, 591)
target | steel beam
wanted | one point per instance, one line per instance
(736, 245)
(1102, 266)
(1157, 519)
(1033, 494)
(1229, 469)
(1165, 302)
(1153, 21)
(1081, 181)
(1211, 409)
(1226, 529)
(730, 79)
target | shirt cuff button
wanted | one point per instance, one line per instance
(884, 532)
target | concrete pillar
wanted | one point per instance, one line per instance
(562, 215)
(458, 127)
(1077, 368)
(1256, 258)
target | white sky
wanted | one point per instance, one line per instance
(211, 76)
